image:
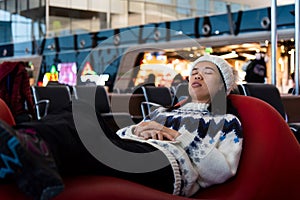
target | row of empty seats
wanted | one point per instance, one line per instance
(50, 98)
(53, 97)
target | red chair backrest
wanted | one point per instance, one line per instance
(270, 162)
(5, 114)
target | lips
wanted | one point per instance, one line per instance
(196, 84)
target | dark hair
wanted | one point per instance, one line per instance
(293, 76)
(151, 78)
(177, 80)
(252, 75)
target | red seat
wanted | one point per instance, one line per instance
(5, 114)
(269, 166)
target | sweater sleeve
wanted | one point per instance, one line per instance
(127, 132)
(216, 158)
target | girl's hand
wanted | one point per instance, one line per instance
(154, 130)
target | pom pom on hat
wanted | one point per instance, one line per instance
(224, 67)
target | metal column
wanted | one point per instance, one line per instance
(47, 18)
(297, 43)
(274, 40)
(108, 15)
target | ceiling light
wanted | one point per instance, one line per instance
(248, 56)
(232, 54)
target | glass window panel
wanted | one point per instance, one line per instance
(21, 28)
(35, 3)
(184, 7)
(11, 6)
(219, 7)
(202, 7)
(235, 7)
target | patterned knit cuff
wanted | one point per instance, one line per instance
(126, 132)
(185, 138)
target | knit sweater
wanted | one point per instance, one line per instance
(206, 152)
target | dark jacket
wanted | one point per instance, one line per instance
(15, 88)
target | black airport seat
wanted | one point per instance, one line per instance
(155, 97)
(270, 94)
(50, 98)
(97, 96)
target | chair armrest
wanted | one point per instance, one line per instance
(37, 105)
(147, 107)
(295, 127)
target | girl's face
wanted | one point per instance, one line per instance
(204, 82)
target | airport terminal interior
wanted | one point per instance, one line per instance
(125, 63)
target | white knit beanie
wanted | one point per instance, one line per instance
(224, 67)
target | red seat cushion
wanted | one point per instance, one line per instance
(5, 113)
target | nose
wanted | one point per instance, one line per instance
(198, 76)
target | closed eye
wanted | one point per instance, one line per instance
(208, 71)
(194, 71)
(205, 70)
